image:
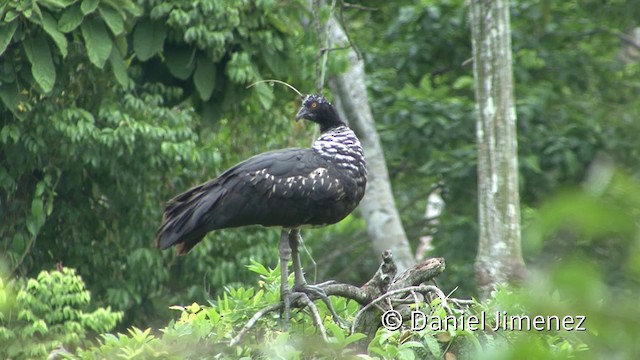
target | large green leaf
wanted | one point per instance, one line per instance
(265, 95)
(10, 95)
(56, 4)
(274, 60)
(89, 6)
(180, 62)
(119, 68)
(205, 77)
(97, 41)
(39, 55)
(6, 33)
(113, 19)
(50, 25)
(70, 19)
(148, 38)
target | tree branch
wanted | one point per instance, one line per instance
(383, 285)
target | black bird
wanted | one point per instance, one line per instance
(288, 188)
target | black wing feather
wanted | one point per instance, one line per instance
(272, 189)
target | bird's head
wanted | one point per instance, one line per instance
(317, 109)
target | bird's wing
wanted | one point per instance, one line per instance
(288, 174)
(277, 188)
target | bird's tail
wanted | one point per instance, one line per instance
(188, 217)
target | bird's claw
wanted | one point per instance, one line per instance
(317, 292)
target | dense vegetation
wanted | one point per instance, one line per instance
(110, 107)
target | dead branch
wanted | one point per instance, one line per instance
(384, 285)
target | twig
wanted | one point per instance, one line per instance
(316, 316)
(356, 6)
(254, 319)
(325, 49)
(346, 30)
(627, 40)
(441, 295)
(313, 261)
(462, 302)
(32, 241)
(420, 288)
(315, 10)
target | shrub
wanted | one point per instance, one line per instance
(49, 312)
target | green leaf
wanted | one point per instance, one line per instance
(89, 6)
(6, 34)
(37, 208)
(265, 95)
(353, 338)
(205, 78)
(39, 55)
(122, 44)
(97, 41)
(50, 26)
(70, 19)
(148, 38)
(10, 131)
(32, 227)
(35, 9)
(112, 18)
(56, 4)
(10, 16)
(10, 95)
(275, 62)
(119, 68)
(180, 62)
(433, 345)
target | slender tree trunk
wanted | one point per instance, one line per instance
(378, 206)
(499, 258)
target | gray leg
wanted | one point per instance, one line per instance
(300, 284)
(285, 293)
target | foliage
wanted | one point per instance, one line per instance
(49, 312)
(202, 332)
(575, 101)
(88, 157)
(579, 285)
(595, 270)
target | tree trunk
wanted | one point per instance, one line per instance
(378, 206)
(499, 258)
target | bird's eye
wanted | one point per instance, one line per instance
(314, 105)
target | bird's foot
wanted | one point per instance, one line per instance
(317, 292)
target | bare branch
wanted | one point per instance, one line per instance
(254, 319)
(346, 30)
(383, 286)
(347, 5)
(421, 288)
(629, 40)
(317, 320)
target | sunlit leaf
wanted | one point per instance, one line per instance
(112, 18)
(89, 6)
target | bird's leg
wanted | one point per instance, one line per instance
(300, 284)
(285, 293)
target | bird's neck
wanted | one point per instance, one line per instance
(341, 146)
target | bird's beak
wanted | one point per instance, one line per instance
(302, 113)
